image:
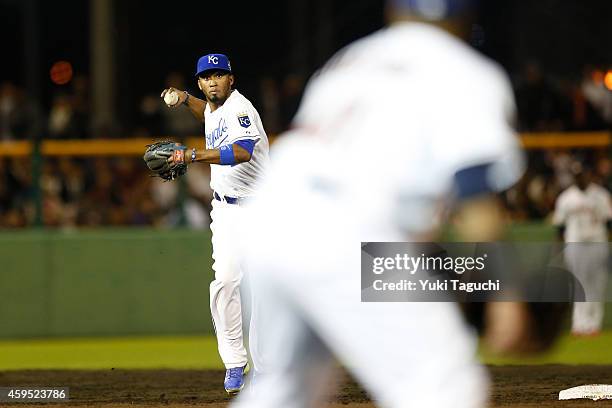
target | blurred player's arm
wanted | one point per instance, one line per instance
(480, 217)
(196, 105)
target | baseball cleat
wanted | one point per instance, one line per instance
(234, 379)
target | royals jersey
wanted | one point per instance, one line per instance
(584, 213)
(427, 106)
(236, 120)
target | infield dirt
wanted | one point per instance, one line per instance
(513, 386)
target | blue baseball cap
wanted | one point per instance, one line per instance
(213, 61)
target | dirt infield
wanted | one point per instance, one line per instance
(513, 386)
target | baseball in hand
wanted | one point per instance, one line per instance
(171, 98)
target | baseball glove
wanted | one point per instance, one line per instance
(156, 157)
(546, 322)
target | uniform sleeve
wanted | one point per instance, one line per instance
(560, 214)
(243, 123)
(473, 139)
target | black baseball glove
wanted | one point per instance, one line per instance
(156, 157)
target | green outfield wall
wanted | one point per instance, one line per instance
(117, 281)
(104, 282)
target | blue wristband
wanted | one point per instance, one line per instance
(226, 153)
(247, 144)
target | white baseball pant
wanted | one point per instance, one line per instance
(228, 265)
(307, 279)
(588, 263)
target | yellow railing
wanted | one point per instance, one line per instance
(565, 140)
(136, 146)
(92, 147)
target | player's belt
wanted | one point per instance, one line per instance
(229, 200)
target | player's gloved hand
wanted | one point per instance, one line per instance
(517, 327)
(182, 95)
(166, 159)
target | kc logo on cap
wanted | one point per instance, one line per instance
(213, 61)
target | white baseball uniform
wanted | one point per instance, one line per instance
(584, 214)
(380, 134)
(235, 120)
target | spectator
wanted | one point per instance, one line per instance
(72, 179)
(64, 122)
(19, 118)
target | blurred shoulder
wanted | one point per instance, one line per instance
(448, 63)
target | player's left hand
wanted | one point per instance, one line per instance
(166, 159)
(177, 157)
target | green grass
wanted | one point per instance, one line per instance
(200, 352)
(569, 350)
(104, 353)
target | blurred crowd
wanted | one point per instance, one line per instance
(101, 192)
(115, 191)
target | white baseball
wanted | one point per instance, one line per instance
(171, 98)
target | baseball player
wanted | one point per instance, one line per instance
(583, 216)
(237, 150)
(383, 139)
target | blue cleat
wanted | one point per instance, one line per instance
(234, 379)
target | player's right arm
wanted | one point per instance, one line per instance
(196, 105)
(507, 326)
